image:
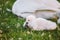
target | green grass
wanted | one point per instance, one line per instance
(12, 29)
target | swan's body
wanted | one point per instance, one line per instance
(25, 8)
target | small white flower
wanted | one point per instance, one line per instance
(50, 36)
(2, 23)
(19, 38)
(8, 26)
(28, 32)
(17, 25)
(43, 34)
(11, 39)
(6, 2)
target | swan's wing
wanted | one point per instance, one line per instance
(21, 6)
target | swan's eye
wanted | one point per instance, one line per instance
(28, 20)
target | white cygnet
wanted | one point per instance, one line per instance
(39, 23)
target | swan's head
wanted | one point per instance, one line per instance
(29, 19)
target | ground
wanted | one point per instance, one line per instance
(11, 26)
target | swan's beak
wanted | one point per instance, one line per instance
(25, 25)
